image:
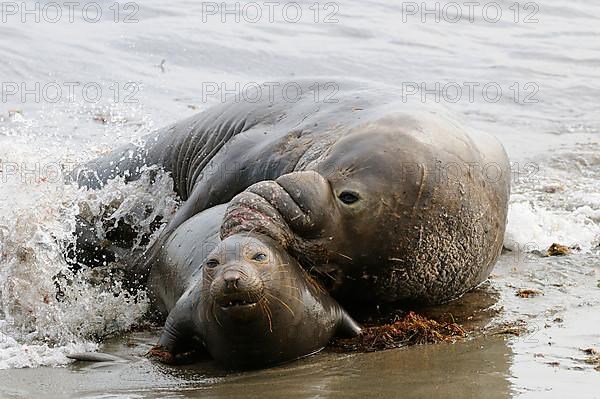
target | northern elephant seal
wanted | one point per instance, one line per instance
(403, 203)
(244, 300)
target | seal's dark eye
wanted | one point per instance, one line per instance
(348, 197)
(259, 257)
(212, 263)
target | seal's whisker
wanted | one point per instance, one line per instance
(268, 272)
(313, 282)
(269, 280)
(262, 308)
(280, 266)
(282, 302)
(215, 316)
(278, 269)
(323, 272)
(207, 312)
(290, 286)
(343, 255)
(267, 275)
(268, 313)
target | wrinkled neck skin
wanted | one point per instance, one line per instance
(295, 318)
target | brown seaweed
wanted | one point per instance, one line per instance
(558, 250)
(528, 293)
(410, 329)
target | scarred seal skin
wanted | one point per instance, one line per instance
(390, 201)
(244, 300)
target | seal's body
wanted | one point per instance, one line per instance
(245, 300)
(393, 202)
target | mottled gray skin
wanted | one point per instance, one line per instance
(244, 300)
(431, 199)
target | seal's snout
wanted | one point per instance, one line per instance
(237, 287)
(298, 203)
(308, 189)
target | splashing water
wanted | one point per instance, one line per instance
(46, 309)
(557, 201)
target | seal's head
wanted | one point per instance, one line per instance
(254, 306)
(389, 210)
(238, 278)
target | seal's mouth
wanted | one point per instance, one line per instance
(239, 301)
(238, 305)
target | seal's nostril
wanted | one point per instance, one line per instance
(231, 284)
(231, 279)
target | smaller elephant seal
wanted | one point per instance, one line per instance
(247, 302)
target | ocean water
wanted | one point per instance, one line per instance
(78, 85)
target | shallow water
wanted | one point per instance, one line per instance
(465, 370)
(550, 132)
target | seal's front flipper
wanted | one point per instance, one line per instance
(347, 327)
(178, 341)
(96, 357)
(177, 345)
(163, 355)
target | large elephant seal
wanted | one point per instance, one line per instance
(402, 203)
(244, 300)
